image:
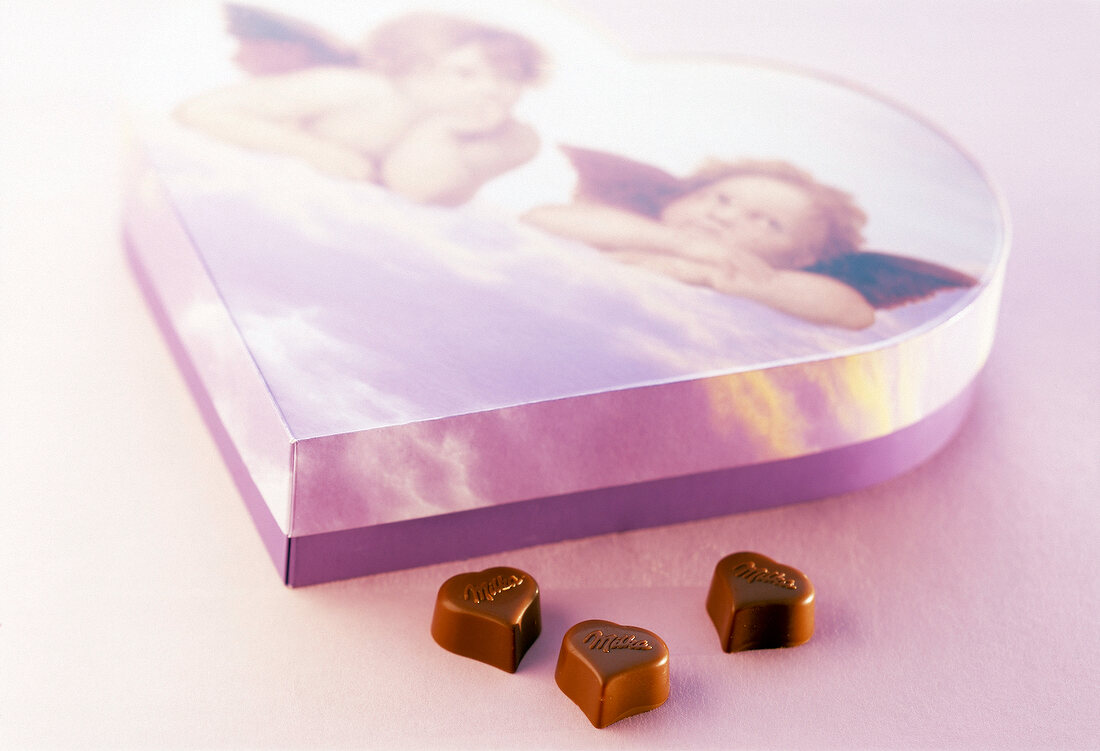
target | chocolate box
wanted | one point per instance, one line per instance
(454, 282)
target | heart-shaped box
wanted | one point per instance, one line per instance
(396, 382)
(612, 671)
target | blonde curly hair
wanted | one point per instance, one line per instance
(408, 42)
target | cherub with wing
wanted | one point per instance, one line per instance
(766, 231)
(423, 106)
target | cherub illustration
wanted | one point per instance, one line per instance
(423, 106)
(766, 231)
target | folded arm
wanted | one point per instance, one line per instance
(437, 162)
(614, 229)
(812, 297)
(699, 260)
(270, 114)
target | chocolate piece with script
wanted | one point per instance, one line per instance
(612, 671)
(491, 615)
(757, 603)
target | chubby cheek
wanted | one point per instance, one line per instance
(777, 248)
(475, 93)
(789, 250)
(507, 94)
(784, 257)
(683, 215)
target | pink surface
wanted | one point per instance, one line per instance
(957, 604)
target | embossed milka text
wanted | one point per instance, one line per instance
(487, 590)
(607, 642)
(750, 572)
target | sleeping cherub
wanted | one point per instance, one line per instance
(766, 231)
(423, 106)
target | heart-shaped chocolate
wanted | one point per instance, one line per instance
(491, 615)
(612, 671)
(757, 603)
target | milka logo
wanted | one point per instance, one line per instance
(750, 572)
(607, 642)
(487, 590)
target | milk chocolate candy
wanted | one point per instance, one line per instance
(491, 615)
(757, 603)
(612, 671)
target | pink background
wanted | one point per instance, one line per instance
(957, 604)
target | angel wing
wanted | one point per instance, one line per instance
(271, 43)
(887, 280)
(622, 183)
